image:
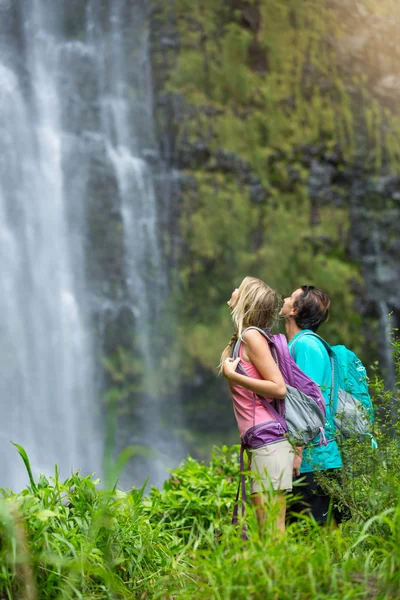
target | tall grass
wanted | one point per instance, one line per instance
(70, 540)
(65, 540)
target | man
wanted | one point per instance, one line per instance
(304, 311)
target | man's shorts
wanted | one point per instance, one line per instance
(272, 466)
(314, 500)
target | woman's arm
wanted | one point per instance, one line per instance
(272, 385)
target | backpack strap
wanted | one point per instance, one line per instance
(239, 342)
(272, 347)
(325, 343)
(277, 413)
(242, 488)
(334, 390)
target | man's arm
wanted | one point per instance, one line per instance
(298, 457)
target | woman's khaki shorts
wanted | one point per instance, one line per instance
(272, 466)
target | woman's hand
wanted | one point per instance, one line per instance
(229, 367)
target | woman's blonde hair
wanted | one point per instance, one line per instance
(257, 305)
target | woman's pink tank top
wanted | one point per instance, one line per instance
(243, 403)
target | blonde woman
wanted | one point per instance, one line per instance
(255, 304)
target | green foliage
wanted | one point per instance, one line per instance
(199, 498)
(263, 83)
(292, 88)
(71, 539)
(272, 567)
(220, 251)
(263, 89)
(24, 456)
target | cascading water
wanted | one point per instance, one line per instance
(78, 222)
(386, 323)
(126, 116)
(46, 381)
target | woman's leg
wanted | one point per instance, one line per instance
(272, 466)
(260, 502)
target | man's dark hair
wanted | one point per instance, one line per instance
(312, 308)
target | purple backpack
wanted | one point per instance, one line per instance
(299, 417)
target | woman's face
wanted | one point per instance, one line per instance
(231, 303)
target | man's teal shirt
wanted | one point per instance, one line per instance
(312, 358)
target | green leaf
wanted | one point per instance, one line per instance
(27, 464)
(46, 514)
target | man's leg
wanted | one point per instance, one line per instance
(314, 500)
(310, 499)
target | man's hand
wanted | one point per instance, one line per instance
(298, 457)
(229, 367)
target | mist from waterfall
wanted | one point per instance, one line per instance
(75, 125)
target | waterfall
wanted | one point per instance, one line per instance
(386, 324)
(46, 357)
(126, 115)
(79, 226)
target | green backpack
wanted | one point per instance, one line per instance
(351, 403)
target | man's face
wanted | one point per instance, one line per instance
(287, 308)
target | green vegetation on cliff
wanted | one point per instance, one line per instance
(272, 111)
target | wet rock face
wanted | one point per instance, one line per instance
(105, 244)
(373, 203)
(373, 241)
(320, 181)
(74, 18)
(375, 245)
